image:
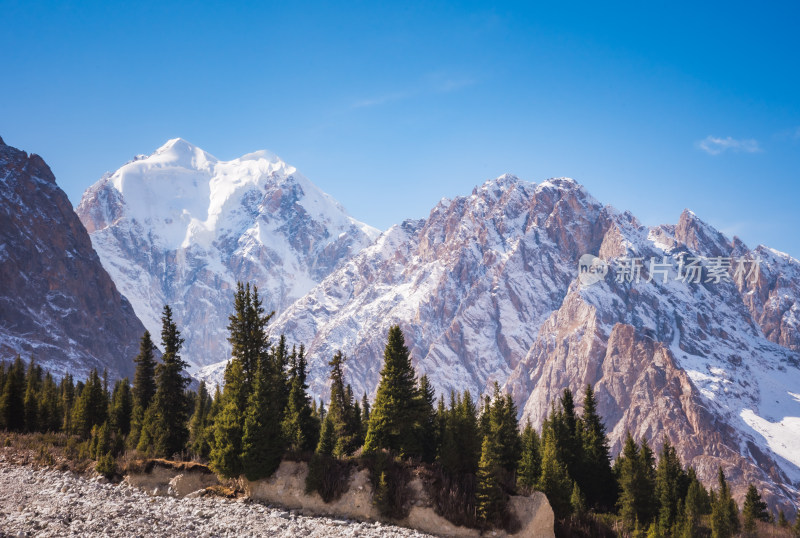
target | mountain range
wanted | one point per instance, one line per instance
(683, 333)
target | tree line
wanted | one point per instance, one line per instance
(475, 451)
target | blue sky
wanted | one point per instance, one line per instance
(654, 106)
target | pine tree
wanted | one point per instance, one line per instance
(754, 509)
(554, 480)
(460, 446)
(530, 463)
(596, 478)
(635, 475)
(364, 415)
(669, 485)
(577, 501)
(121, 408)
(394, 418)
(228, 426)
(199, 422)
(428, 432)
(300, 428)
(490, 499)
(263, 443)
(67, 397)
(164, 430)
(144, 386)
(340, 409)
(33, 381)
(247, 328)
(91, 406)
(724, 513)
(50, 410)
(12, 403)
(327, 438)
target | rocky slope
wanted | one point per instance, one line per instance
(51, 503)
(486, 288)
(182, 227)
(57, 303)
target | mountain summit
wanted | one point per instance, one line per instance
(181, 227)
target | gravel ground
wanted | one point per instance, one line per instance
(47, 502)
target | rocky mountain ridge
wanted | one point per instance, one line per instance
(58, 305)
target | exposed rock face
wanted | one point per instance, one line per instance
(57, 303)
(486, 289)
(470, 286)
(681, 360)
(181, 227)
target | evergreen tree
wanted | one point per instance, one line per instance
(577, 501)
(502, 428)
(226, 450)
(164, 430)
(596, 478)
(12, 403)
(327, 438)
(634, 470)
(754, 509)
(300, 427)
(198, 424)
(91, 406)
(669, 485)
(67, 397)
(121, 408)
(490, 499)
(247, 328)
(50, 410)
(428, 431)
(341, 409)
(144, 380)
(554, 480)
(262, 440)
(724, 512)
(394, 418)
(144, 386)
(33, 380)
(364, 415)
(530, 463)
(460, 453)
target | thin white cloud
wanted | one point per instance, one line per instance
(714, 145)
(432, 84)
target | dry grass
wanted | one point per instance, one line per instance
(55, 450)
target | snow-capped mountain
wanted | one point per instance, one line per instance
(487, 288)
(58, 305)
(182, 227)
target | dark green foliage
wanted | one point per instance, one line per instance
(460, 445)
(247, 327)
(327, 438)
(198, 424)
(635, 473)
(503, 430)
(671, 485)
(31, 402)
(596, 478)
(12, 402)
(164, 429)
(394, 420)
(754, 509)
(300, 427)
(226, 451)
(724, 512)
(328, 476)
(262, 439)
(554, 480)
(91, 407)
(782, 521)
(106, 465)
(342, 412)
(144, 380)
(490, 498)
(121, 408)
(364, 416)
(530, 463)
(390, 479)
(428, 430)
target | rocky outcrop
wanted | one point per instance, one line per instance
(58, 305)
(182, 227)
(286, 487)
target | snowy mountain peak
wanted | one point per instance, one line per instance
(182, 227)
